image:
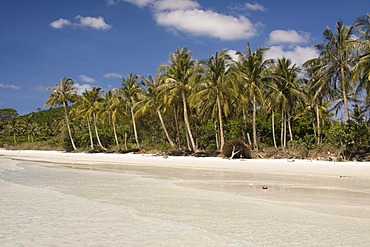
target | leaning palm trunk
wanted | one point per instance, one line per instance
(178, 139)
(222, 138)
(68, 127)
(90, 134)
(290, 128)
(134, 126)
(115, 133)
(97, 133)
(165, 129)
(216, 137)
(191, 142)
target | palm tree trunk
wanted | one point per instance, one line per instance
(273, 128)
(244, 122)
(222, 138)
(134, 125)
(97, 133)
(216, 137)
(165, 129)
(177, 128)
(68, 127)
(187, 140)
(282, 129)
(125, 144)
(345, 100)
(115, 133)
(290, 128)
(187, 125)
(255, 147)
(318, 124)
(90, 134)
(285, 133)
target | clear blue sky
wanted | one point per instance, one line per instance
(95, 41)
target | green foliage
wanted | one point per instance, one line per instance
(355, 134)
(8, 113)
(192, 105)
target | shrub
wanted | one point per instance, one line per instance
(235, 148)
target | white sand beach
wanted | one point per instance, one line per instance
(50, 198)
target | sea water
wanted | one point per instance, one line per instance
(58, 206)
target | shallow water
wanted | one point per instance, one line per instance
(142, 206)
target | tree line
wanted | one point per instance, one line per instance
(197, 105)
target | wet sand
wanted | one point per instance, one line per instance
(52, 198)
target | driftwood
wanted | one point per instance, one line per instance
(236, 149)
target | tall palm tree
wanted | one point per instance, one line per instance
(88, 106)
(271, 106)
(110, 109)
(337, 51)
(252, 70)
(215, 89)
(362, 68)
(288, 94)
(62, 94)
(152, 99)
(319, 90)
(130, 95)
(178, 82)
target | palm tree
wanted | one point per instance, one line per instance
(109, 109)
(130, 95)
(337, 52)
(251, 71)
(178, 78)
(88, 107)
(287, 93)
(271, 106)
(152, 99)
(215, 89)
(62, 94)
(319, 90)
(13, 127)
(362, 68)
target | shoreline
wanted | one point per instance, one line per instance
(271, 166)
(178, 200)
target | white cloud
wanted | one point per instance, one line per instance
(141, 3)
(207, 23)
(82, 88)
(255, 6)
(298, 54)
(288, 36)
(60, 23)
(187, 16)
(232, 54)
(175, 5)
(97, 23)
(93, 22)
(86, 79)
(41, 88)
(112, 75)
(10, 86)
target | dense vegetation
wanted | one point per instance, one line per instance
(199, 105)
